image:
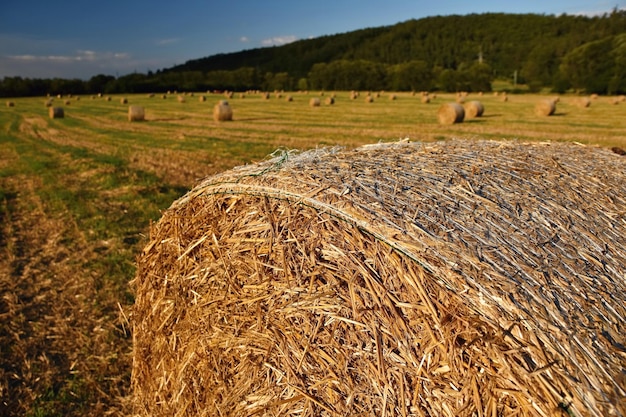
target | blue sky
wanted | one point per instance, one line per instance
(82, 38)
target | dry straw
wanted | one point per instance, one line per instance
(56, 112)
(454, 278)
(546, 107)
(222, 111)
(450, 113)
(474, 109)
(136, 114)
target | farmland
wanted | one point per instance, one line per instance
(77, 196)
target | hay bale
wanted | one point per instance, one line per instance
(201, 99)
(425, 99)
(136, 114)
(315, 102)
(181, 99)
(67, 102)
(289, 98)
(222, 111)
(108, 99)
(48, 103)
(473, 109)
(457, 278)
(10, 104)
(329, 101)
(392, 97)
(124, 100)
(450, 113)
(545, 107)
(56, 112)
(266, 96)
(583, 102)
(369, 98)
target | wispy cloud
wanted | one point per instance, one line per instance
(81, 55)
(244, 39)
(279, 40)
(169, 41)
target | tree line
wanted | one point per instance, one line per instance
(448, 53)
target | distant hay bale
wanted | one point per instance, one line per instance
(457, 278)
(56, 112)
(181, 99)
(593, 97)
(164, 96)
(67, 102)
(314, 102)
(48, 103)
(583, 102)
(433, 96)
(504, 98)
(450, 113)
(460, 99)
(392, 97)
(266, 96)
(151, 95)
(329, 101)
(124, 100)
(136, 114)
(242, 95)
(228, 94)
(545, 107)
(473, 109)
(354, 95)
(222, 111)
(108, 98)
(201, 99)
(289, 98)
(10, 104)
(369, 99)
(425, 99)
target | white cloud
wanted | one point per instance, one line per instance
(244, 39)
(279, 40)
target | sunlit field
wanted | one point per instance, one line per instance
(77, 195)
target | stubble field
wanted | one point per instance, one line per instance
(77, 196)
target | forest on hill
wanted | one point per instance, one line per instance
(446, 53)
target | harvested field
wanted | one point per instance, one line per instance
(457, 278)
(77, 196)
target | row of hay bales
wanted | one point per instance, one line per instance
(221, 112)
(451, 113)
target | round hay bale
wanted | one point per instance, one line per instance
(222, 111)
(48, 103)
(450, 113)
(289, 98)
(56, 112)
(545, 107)
(473, 109)
(425, 99)
(329, 101)
(266, 96)
(10, 104)
(392, 97)
(67, 102)
(583, 102)
(124, 100)
(457, 278)
(108, 99)
(164, 96)
(504, 98)
(136, 114)
(181, 99)
(201, 99)
(369, 98)
(315, 102)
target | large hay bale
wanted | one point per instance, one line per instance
(136, 114)
(222, 111)
(455, 278)
(473, 109)
(56, 112)
(545, 107)
(450, 113)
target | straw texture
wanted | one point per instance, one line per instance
(455, 278)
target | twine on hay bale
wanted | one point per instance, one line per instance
(473, 109)
(136, 114)
(453, 278)
(450, 113)
(545, 107)
(56, 112)
(222, 111)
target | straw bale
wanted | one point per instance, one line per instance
(583, 102)
(10, 104)
(450, 113)
(56, 112)
(222, 111)
(457, 278)
(48, 103)
(369, 98)
(201, 99)
(329, 101)
(124, 100)
(473, 109)
(545, 107)
(181, 99)
(425, 99)
(136, 114)
(315, 102)
(289, 98)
